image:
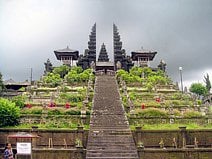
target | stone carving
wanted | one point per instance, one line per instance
(162, 65)
(48, 66)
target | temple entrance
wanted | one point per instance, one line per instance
(104, 68)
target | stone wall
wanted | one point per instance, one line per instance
(54, 154)
(149, 138)
(175, 154)
(59, 137)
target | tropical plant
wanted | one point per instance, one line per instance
(77, 75)
(61, 70)
(52, 80)
(9, 113)
(19, 100)
(198, 89)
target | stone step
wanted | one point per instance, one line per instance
(112, 153)
(109, 136)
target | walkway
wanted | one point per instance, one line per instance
(109, 136)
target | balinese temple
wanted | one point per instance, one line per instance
(89, 56)
(143, 57)
(103, 57)
(103, 62)
(67, 56)
(121, 60)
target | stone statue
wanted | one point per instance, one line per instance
(185, 90)
(48, 66)
(86, 52)
(162, 65)
(118, 65)
(93, 65)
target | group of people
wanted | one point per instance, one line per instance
(8, 152)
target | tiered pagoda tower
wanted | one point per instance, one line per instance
(90, 53)
(92, 45)
(103, 56)
(120, 57)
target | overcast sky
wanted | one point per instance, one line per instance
(179, 30)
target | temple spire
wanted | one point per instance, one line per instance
(103, 56)
(89, 56)
(120, 57)
(92, 45)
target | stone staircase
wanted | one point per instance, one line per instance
(109, 136)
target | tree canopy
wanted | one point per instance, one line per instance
(198, 89)
(138, 74)
(53, 80)
(61, 70)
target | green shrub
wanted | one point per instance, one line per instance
(192, 114)
(56, 111)
(19, 101)
(177, 113)
(9, 113)
(153, 103)
(52, 80)
(33, 110)
(199, 102)
(176, 102)
(72, 112)
(75, 98)
(151, 112)
(88, 112)
(176, 96)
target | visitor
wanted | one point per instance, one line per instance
(8, 153)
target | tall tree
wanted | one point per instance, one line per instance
(198, 89)
(207, 82)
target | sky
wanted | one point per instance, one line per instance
(179, 30)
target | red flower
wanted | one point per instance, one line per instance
(157, 100)
(142, 106)
(52, 104)
(28, 105)
(67, 105)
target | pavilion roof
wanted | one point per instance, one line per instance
(143, 53)
(12, 82)
(66, 52)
